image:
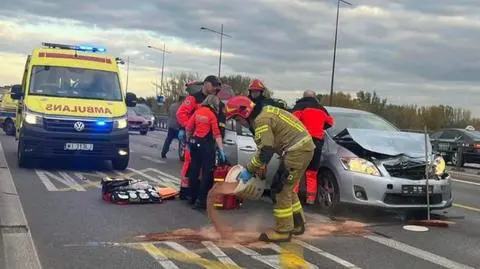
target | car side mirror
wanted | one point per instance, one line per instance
(16, 92)
(131, 99)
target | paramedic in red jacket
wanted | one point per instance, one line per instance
(211, 85)
(316, 119)
(203, 135)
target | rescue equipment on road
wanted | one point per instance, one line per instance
(225, 201)
(131, 191)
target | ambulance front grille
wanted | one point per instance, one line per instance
(67, 125)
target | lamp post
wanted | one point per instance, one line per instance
(164, 50)
(335, 49)
(222, 34)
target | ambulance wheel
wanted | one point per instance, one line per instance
(22, 160)
(120, 164)
(9, 127)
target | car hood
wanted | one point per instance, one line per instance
(387, 142)
(136, 118)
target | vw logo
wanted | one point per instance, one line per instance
(79, 126)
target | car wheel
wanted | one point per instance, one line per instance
(143, 132)
(9, 127)
(455, 159)
(120, 163)
(22, 160)
(328, 193)
(181, 150)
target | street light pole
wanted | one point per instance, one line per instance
(164, 50)
(335, 49)
(222, 34)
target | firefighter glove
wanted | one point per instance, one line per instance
(245, 176)
(181, 135)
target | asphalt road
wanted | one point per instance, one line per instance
(73, 228)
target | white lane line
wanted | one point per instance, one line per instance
(161, 182)
(19, 249)
(174, 180)
(153, 159)
(219, 254)
(466, 182)
(177, 247)
(327, 255)
(419, 253)
(159, 256)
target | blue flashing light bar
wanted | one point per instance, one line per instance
(101, 123)
(75, 47)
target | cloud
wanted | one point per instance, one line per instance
(421, 52)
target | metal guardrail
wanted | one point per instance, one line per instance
(161, 123)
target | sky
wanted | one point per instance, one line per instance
(412, 52)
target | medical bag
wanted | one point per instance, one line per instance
(129, 191)
(225, 201)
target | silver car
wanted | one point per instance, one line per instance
(366, 161)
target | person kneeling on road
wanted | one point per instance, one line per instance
(202, 132)
(276, 131)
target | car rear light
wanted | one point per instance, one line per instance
(477, 146)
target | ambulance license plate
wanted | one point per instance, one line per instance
(78, 146)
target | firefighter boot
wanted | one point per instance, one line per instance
(274, 236)
(311, 180)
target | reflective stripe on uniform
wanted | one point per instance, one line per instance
(255, 162)
(287, 120)
(296, 207)
(261, 129)
(219, 179)
(221, 124)
(283, 213)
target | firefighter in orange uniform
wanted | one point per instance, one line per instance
(316, 119)
(202, 133)
(211, 85)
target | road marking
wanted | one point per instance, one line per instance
(159, 256)
(467, 207)
(64, 179)
(327, 255)
(180, 255)
(219, 254)
(19, 249)
(419, 253)
(174, 180)
(161, 181)
(154, 160)
(466, 182)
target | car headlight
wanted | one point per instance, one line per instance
(32, 118)
(439, 165)
(152, 118)
(360, 165)
(120, 123)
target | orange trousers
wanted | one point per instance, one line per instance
(311, 185)
(184, 173)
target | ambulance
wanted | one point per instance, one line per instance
(8, 107)
(71, 104)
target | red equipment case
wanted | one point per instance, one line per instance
(225, 201)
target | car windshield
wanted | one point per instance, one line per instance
(359, 121)
(132, 112)
(70, 82)
(143, 109)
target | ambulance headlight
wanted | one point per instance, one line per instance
(120, 123)
(33, 118)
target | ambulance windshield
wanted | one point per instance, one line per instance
(70, 82)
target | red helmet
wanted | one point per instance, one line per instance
(256, 86)
(240, 106)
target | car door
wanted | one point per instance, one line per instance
(230, 142)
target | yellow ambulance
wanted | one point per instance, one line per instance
(71, 104)
(8, 107)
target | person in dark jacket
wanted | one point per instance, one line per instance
(316, 119)
(173, 126)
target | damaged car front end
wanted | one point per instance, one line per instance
(383, 167)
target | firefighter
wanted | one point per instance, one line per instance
(202, 132)
(211, 85)
(257, 93)
(276, 131)
(316, 119)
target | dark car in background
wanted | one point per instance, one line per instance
(447, 142)
(136, 122)
(145, 111)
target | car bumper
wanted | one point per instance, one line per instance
(143, 127)
(387, 192)
(39, 142)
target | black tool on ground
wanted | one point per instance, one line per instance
(129, 191)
